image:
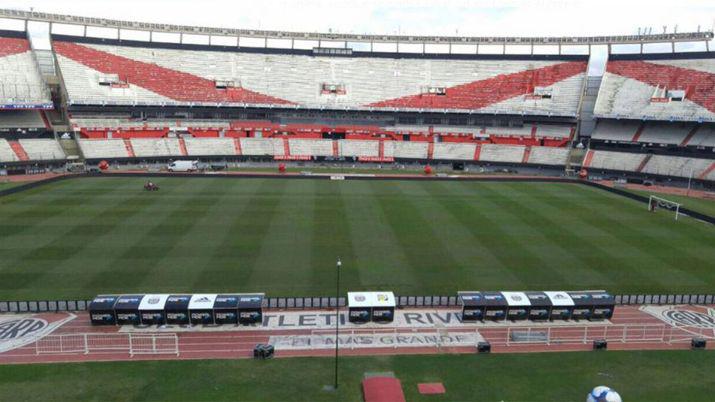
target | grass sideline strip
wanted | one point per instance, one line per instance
(637, 376)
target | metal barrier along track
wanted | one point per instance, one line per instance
(88, 343)
(624, 333)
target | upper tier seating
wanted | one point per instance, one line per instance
(42, 149)
(616, 160)
(6, 152)
(20, 82)
(672, 133)
(116, 123)
(20, 119)
(502, 153)
(675, 133)
(146, 147)
(210, 146)
(98, 149)
(548, 156)
(615, 130)
(639, 89)
(705, 136)
(171, 76)
(454, 151)
(358, 148)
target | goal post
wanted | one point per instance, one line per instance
(655, 202)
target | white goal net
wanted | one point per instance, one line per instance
(655, 203)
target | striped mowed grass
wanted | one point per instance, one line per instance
(82, 237)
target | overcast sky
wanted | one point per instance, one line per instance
(420, 17)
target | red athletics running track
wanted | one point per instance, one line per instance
(644, 334)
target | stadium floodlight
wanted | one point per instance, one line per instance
(655, 202)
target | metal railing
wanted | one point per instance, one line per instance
(93, 343)
(307, 303)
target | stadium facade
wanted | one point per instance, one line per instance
(268, 95)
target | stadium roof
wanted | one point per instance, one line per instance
(354, 38)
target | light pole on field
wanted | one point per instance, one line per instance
(337, 318)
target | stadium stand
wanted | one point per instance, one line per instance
(704, 136)
(610, 160)
(262, 146)
(676, 166)
(615, 130)
(210, 146)
(21, 119)
(7, 154)
(673, 133)
(454, 151)
(109, 74)
(97, 149)
(548, 156)
(147, 147)
(42, 149)
(359, 148)
(21, 85)
(311, 147)
(502, 153)
(411, 150)
(658, 87)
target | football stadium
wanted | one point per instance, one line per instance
(190, 212)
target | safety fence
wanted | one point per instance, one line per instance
(626, 333)
(115, 343)
(306, 303)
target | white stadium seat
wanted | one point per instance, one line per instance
(147, 147)
(616, 160)
(502, 153)
(42, 149)
(454, 151)
(6, 152)
(96, 149)
(210, 146)
(358, 148)
(548, 156)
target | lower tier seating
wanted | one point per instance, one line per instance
(548, 156)
(147, 147)
(6, 152)
(97, 149)
(502, 153)
(454, 151)
(616, 161)
(359, 148)
(42, 149)
(210, 146)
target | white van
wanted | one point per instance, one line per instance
(183, 166)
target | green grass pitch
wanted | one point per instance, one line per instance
(81, 237)
(637, 376)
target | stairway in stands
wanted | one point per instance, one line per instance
(130, 148)
(644, 162)
(19, 150)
